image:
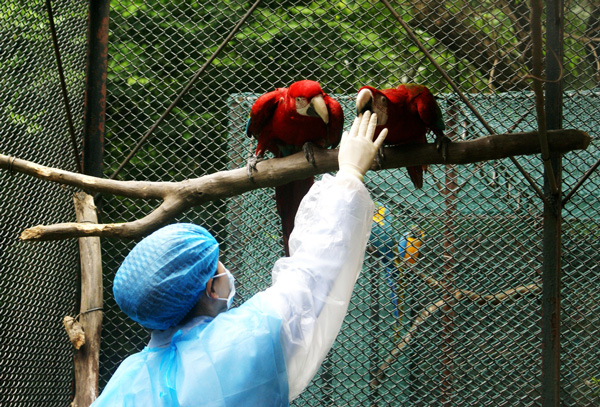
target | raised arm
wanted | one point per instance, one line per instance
(312, 288)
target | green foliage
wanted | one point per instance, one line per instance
(155, 49)
(596, 386)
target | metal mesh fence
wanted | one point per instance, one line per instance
(37, 281)
(460, 326)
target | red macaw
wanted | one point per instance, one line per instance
(408, 112)
(286, 121)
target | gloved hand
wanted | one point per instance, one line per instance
(357, 148)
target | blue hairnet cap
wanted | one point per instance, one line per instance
(162, 278)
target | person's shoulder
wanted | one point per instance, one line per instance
(255, 307)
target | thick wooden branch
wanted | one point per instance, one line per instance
(180, 196)
(169, 209)
(130, 189)
(86, 359)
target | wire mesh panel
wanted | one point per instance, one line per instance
(37, 280)
(457, 324)
(581, 277)
(461, 325)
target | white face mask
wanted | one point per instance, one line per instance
(231, 279)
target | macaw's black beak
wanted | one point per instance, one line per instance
(367, 106)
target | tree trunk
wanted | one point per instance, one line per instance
(86, 358)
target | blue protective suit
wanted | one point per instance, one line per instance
(266, 351)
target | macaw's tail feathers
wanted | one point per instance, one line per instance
(288, 198)
(416, 175)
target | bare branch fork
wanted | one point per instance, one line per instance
(457, 295)
(180, 196)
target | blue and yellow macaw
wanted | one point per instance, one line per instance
(408, 246)
(396, 253)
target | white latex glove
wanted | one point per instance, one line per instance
(357, 148)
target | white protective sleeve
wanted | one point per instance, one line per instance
(312, 288)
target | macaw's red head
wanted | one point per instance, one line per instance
(372, 99)
(307, 98)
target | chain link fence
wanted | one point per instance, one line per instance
(458, 326)
(37, 280)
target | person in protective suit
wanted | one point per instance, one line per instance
(266, 351)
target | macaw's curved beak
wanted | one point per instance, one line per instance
(364, 101)
(318, 108)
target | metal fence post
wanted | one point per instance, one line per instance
(95, 89)
(551, 265)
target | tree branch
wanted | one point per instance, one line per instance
(455, 30)
(180, 196)
(86, 358)
(457, 295)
